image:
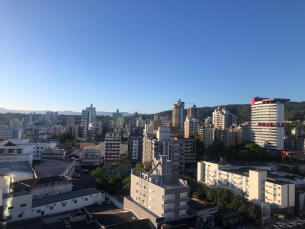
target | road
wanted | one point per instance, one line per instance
(82, 182)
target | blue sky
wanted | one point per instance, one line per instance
(144, 55)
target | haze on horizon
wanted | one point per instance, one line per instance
(144, 55)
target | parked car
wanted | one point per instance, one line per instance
(99, 203)
(108, 202)
(74, 179)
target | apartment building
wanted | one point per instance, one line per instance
(158, 193)
(133, 122)
(255, 180)
(229, 137)
(135, 148)
(191, 125)
(267, 122)
(112, 147)
(88, 116)
(118, 121)
(194, 111)
(223, 119)
(16, 123)
(178, 114)
(180, 151)
(70, 121)
(246, 130)
(207, 134)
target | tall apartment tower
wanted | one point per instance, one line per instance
(194, 111)
(178, 117)
(191, 125)
(133, 122)
(118, 121)
(267, 122)
(88, 116)
(70, 121)
(223, 119)
(112, 147)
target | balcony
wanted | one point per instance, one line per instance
(186, 207)
(184, 198)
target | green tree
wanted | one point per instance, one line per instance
(223, 197)
(201, 192)
(255, 211)
(64, 137)
(212, 195)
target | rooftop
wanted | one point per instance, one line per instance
(138, 224)
(15, 194)
(245, 163)
(64, 197)
(21, 166)
(112, 217)
(38, 181)
(52, 168)
(199, 205)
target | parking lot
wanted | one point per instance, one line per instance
(295, 223)
(83, 181)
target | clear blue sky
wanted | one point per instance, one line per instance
(144, 55)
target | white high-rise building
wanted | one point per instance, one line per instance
(88, 116)
(223, 119)
(267, 122)
(191, 124)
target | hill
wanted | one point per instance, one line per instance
(293, 111)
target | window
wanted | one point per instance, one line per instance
(11, 207)
(86, 199)
(20, 215)
(182, 212)
(183, 195)
(75, 201)
(183, 204)
(38, 211)
(9, 217)
(22, 205)
(63, 204)
(51, 208)
(169, 215)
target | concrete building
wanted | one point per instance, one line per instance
(49, 154)
(208, 135)
(135, 145)
(118, 121)
(194, 111)
(178, 114)
(70, 121)
(191, 125)
(17, 170)
(297, 131)
(133, 122)
(223, 119)
(180, 151)
(31, 134)
(16, 123)
(91, 158)
(42, 187)
(229, 137)
(257, 182)
(21, 205)
(112, 147)
(246, 130)
(157, 193)
(10, 133)
(267, 122)
(88, 116)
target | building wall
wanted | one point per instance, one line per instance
(54, 188)
(58, 207)
(5, 184)
(16, 202)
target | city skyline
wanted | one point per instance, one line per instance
(140, 54)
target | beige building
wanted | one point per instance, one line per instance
(191, 125)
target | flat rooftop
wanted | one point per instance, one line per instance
(199, 205)
(116, 216)
(18, 166)
(52, 167)
(64, 197)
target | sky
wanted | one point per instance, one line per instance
(139, 55)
